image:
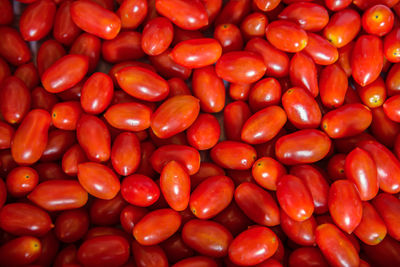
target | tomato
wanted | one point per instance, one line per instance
(66, 255)
(41, 99)
(188, 15)
(105, 231)
(307, 257)
(28, 74)
(385, 253)
(178, 86)
(388, 208)
(233, 155)
(21, 180)
(107, 211)
(157, 36)
(286, 36)
(64, 29)
(148, 231)
(276, 61)
(372, 229)
(65, 115)
(71, 225)
(304, 146)
(151, 256)
(30, 139)
(206, 170)
(303, 73)
(253, 25)
(4, 70)
(391, 44)
(104, 251)
(378, 20)
(265, 92)
(374, 94)
(266, 172)
(233, 12)
(140, 190)
(257, 204)
(132, 13)
(20, 251)
(335, 167)
(130, 215)
(383, 128)
(126, 46)
(175, 249)
(311, 17)
(204, 132)
(229, 36)
(18, 100)
(211, 196)
(233, 219)
(333, 86)
(253, 246)
(302, 233)
(50, 247)
(97, 93)
(87, 45)
(235, 115)
(49, 52)
(59, 141)
(130, 116)
(60, 76)
(6, 134)
(25, 219)
(99, 21)
(168, 67)
(320, 50)
(37, 19)
(98, 180)
(12, 46)
(8, 16)
(125, 153)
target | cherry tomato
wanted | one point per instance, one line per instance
(28, 74)
(6, 134)
(302, 233)
(8, 15)
(378, 20)
(266, 172)
(233, 155)
(320, 50)
(132, 13)
(49, 52)
(391, 47)
(265, 92)
(87, 45)
(286, 36)
(307, 257)
(21, 180)
(388, 207)
(235, 115)
(59, 141)
(64, 29)
(125, 153)
(151, 256)
(97, 93)
(372, 229)
(385, 253)
(71, 225)
(20, 251)
(126, 46)
(140, 190)
(130, 116)
(229, 36)
(333, 86)
(157, 36)
(303, 73)
(12, 46)
(169, 68)
(204, 132)
(65, 115)
(130, 215)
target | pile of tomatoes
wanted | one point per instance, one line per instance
(199, 133)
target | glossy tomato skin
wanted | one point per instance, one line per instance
(294, 198)
(307, 257)
(367, 59)
(94, 138)
(149, 255)
(388, 252)
(188, 15)
(114, 251)
(253, 246)
(235, 115)
(388, 207)
(97, 93)
(65, 115)
(391, 44)
(301, 108)
(229, 36)
(211, 196)
(343, 27)
(61, 76)
(58, 143)
(196, 233)
(378, 20)
(42, 99)
(257, 204)
(372, 229)
(266, 172)
(263, 125)
(18, 100)
(148, 231)
(240, 67)
(335, 246)
(125, 153)
(175, 115)
(286, 36)
(333, 84)
(28, 74)
(276, 61)
(197, 53)
(106, 211)
(132, 13)
(167, 67)
(131, 116)
(64, 29)
(30, 139)
(304, 146)
(21, 180)
(25, 219)
(49, 52)
(37, 19)
(6, 134)
(303, 73)
(126, 46)
(157, 36)
(390, 107)
(88, 45)
(130, 215)
(98, 180)
(347, 120)
(71, 225)
(264, 93)
(20, 251)
(302, 233)
(320, 50)
(233, 155)
(360, 168)
(204, 132)
(140, 190)
(100, 21)
(13, 48)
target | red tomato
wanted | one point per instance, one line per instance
(20, 251)
(235, 115)
(233, 155)
(49, 52)
(169, 68)
(12, 46)
(87, 45)
(64, 29)
(99, 21)
(303, 73)
(304, 146)
(206, 170)
(8, 16)
(126, 46)
(286, 36)
(229, 36)
(307, 257)
(264, 93)
(211, 196)
(108, 250)
(233, 12)
(302, 233)
(204, 132)
(140, 190)
(386, 253)
(378, 20)
(125, 153)
(132, 13)
(71, 225)
(130, 116)
(28, 74)
(333, 84)
(257, 204)
(320, 50)
(149, 256)
(97, 93)
(58, 143)
(130, 215)
(148, 231)
(335, 246)
(372, 229)
(107, 211)
(6, 135)
(21, 181)
(65, 115)
(266, 172)
(188, 15)
(72, 158)
(374, 94)
(157, 36)
(391, 44)
(388, 207)
(253, 246)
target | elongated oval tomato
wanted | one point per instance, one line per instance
(64, 29)
(336, 247)
(140, 190)
(302, 233)
(204, 132)
(188, 15)
(37, 19)
(367, 59)
(253, 246)
(130, 116)
(388, 207)
(207, 237)
(12, 46)
(132, 13)
(126, 46)
(347, 120)
(263, 125)
(240, 67)
(72, 158)
(175, 115)
(94, 138)
(98, 180)
(320, 50)
(24, 219)
(6, 134)
(97, 93)
(294, 198)
(266, 172)
(175, 185)
(71, 225)
(148, 231)
(104, 250)
(264, 93)
(149, 255)
(20, 251)
(233, 155)
(87, 45)
(333, 84)
(235, 115)
(372, 229)
(65, 115)
(211, 196)
(391, 45)
(142, 83)
(65, 73)
(360, 168)
(125, 153)
(304, 146)
(303, 73)
(30, 139)
(99, 21)
(345, 205)
(391, 108)
(301, 108)
(307, 256)
(257, 204)
(157, 36)
(286, 36)
(59, 195)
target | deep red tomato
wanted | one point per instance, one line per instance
(388, 207)
(229, 36)
(140, 190)
(151, 256)
(378, 20)
(12, 46)
(20, 251)
(6, 135)
(287, 36)
(64, 29)
(125, 46)
(302, 233)
(130, 215)
(28, 74)
(372, 229)
(235, 115)
(107, 211)
(71, 225)
(233, 155)
(264, 93)
(206, 170)
(8, 15)
(132, 13)
(333, 84)
(21, 180)
(204, 132)
(87, 45)
(169, 68)
(307, 257)
(303, 73)
(49, 52)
